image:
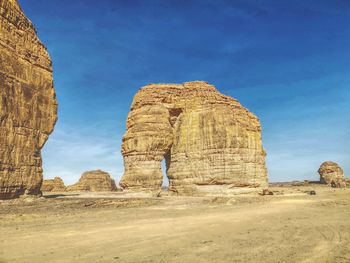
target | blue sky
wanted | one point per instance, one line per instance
(287, 61)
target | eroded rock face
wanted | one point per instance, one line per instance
(28, 107)
(332, 174)
(94, 181)
(205, 137)
(53, 185)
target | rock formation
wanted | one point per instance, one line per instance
(205, 137)
(94, 181)
(53, 185)
(28, 108)
(332, 174)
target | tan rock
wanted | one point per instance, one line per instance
(205, 137)
(94, 181)
(53, 185)
(28, 107)
(332, 174)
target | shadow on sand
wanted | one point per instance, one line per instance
(51, 196)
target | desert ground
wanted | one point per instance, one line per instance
(289, 226)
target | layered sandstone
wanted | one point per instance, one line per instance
(53, 185)
(205, 137)
(94, 181)
(28, 108)
(332, 174)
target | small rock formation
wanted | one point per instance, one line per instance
(332, 174)
(28, 107)
(265, 192)
(94, 181)
(53, 185)
(206, 138)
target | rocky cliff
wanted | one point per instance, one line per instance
(53, 185)
(27, 103)
(94, 181)
(205, 137)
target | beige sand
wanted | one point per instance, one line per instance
(290, 226)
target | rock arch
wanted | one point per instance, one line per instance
(206, 138)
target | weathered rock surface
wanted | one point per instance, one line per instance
(332, 174)
(28, 107)
(205, 137)
(53, 185)
(94, 181)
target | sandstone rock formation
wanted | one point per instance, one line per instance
(205, 137)
(28, 108)
(53, 185)
(94, 181)
(332, 174)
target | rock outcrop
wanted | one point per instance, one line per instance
(28, 107)
(206, 138)
(332, 174)
(94, 181)
(53, 185)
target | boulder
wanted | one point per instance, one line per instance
(53, 185)
(332, 174)
(206, 138)
(94, 181)
(28, 107)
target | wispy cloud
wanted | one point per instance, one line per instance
(69, 153)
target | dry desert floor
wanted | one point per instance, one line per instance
(290, 226)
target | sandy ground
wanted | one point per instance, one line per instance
(290, 226)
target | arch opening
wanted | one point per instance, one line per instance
(165, 183)
(165, 167)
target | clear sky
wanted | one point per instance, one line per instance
(286, 61)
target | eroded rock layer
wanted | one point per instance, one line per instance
(332, 174)
(28, 108)
(205, 137)
(53, 185)
(94, 181)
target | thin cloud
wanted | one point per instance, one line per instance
(69, 153)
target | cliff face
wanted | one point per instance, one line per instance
(94, 181)
(205, 137)
(28, 107)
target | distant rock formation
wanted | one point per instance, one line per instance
(94, 181)
(53, 185)
(332, 174)
(205, 137)
(28, 107)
